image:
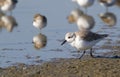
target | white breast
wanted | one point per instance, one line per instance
(82, 44)
(85, 3)
(83, 23)
(38, 24)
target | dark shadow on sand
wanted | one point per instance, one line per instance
(113, 57)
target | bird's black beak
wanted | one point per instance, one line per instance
(64, 42)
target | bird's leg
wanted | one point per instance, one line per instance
(82, 55)
(91, 53)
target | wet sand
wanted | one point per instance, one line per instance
(90, 67)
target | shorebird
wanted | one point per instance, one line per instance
(108, 18)
(39, 21)
(83, 40)
(84, 3)
(39, 41)
(7, 5)
(83, 21)
(107, 3)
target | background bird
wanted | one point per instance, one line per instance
(84, 3)
(7, 5)
(82, 20)
(39, 21)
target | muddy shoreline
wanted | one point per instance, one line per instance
(91, 67)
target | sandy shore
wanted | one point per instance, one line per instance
(91, 67)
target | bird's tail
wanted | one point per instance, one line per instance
(15, 1)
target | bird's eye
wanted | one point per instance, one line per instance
(69, 37)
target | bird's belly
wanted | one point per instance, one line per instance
(37, 24)
(83, 23)
(84, 45)
(85, 3)
(6, 8)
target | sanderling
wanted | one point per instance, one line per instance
(84, 3)
(39, 41)
(7, 5)
(107, 3)
(83, 21)
(8, 22)
(108, 18)
(83, 40)
(39, 21)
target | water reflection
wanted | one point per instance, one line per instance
(1, 14)
(7, 22)
(118, 3)
(83, 21)
(108, 18)
(107, 3)
(39, 41)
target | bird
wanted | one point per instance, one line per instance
(84, 3)
(108, 18)
(39, 21)
(82, 20)
(7, 5)
(74, 15)
(107, 3)
(83, 40)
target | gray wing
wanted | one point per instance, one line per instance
(90, 36)
(45, 20)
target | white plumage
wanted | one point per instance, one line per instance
(83, 40)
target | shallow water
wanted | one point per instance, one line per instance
(16, 46)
